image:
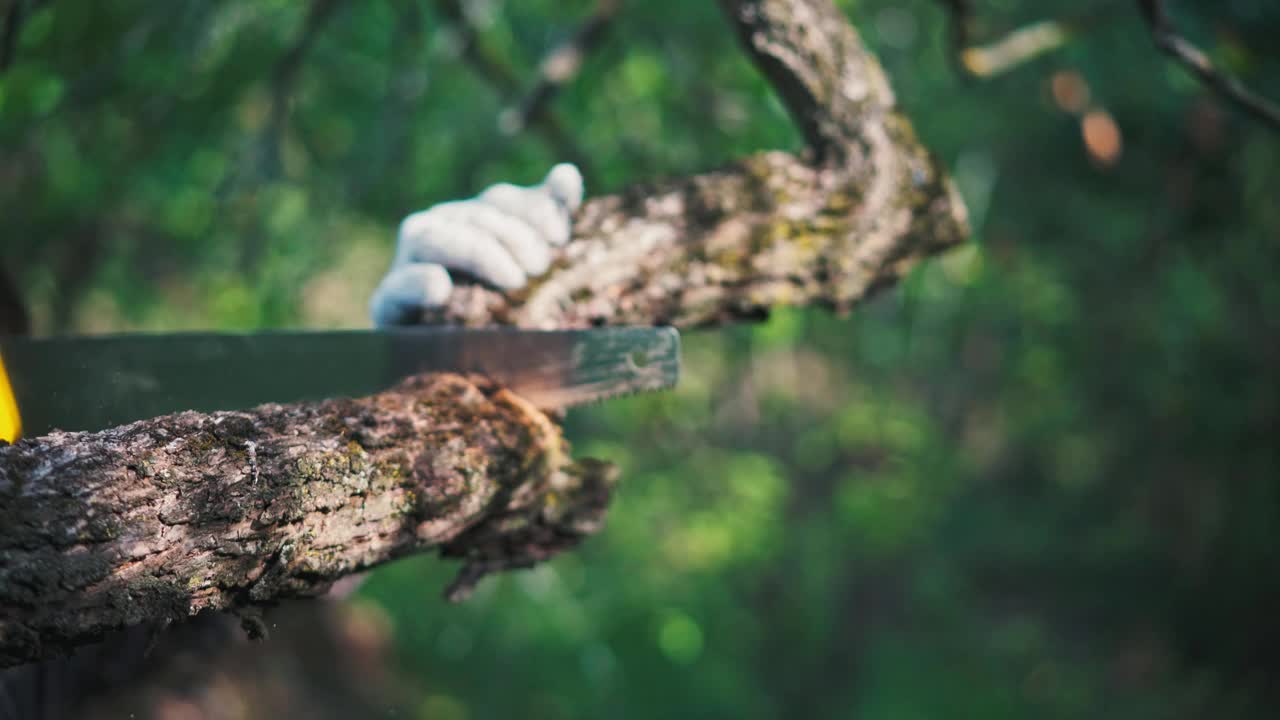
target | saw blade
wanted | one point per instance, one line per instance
(96, 382)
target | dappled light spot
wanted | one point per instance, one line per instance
(173, 708)
(680, 638)
(365, 629)
(1101, 137)
(443, 707)
(963, 266)
(703, 544)
(1070, 91)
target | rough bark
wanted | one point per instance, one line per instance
(168, 517)
(162, 519)
(853, 213)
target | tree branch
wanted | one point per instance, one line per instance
(852, 214)
(960, 24)
(561, 65)
(165, 518)
(1169, 42)
(507, 83)
(13, 16)
(284, 79)
(834, 88)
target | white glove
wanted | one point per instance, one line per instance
(503, 236)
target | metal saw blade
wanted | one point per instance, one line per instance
(96, 382)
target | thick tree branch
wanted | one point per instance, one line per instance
(165, 518)
(770, 230)
(833, 86)
(852, 214)
(168, 517)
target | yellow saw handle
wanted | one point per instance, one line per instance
(10, 420)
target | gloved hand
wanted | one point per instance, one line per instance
(503, 237)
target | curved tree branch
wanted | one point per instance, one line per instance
(853, 213)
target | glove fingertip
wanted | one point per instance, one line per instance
(564, 182)
(504, 275)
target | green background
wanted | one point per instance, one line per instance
(1038, 479)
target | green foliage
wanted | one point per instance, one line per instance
(1037, 479)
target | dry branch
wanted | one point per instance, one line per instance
(168, 517)
(1169, 42)
(165, 518)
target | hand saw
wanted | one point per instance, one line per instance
(97, 382)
